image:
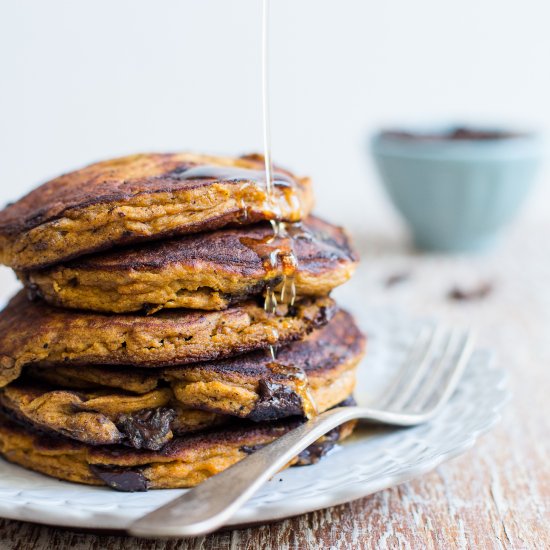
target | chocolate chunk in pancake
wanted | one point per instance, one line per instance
(145, 421)
(206, 271)
(183, 462)
(36, 333)
(315, 373)
(274, 398)
(147, 428)
(143, 197)
(125, 480)
(312, 375)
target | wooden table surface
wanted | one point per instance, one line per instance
(495, 496)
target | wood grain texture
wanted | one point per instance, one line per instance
(495, 496)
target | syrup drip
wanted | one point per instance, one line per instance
(280, 263)
(277, 250)
(281, 242)
(300, 385)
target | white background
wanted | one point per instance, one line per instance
(86, 80)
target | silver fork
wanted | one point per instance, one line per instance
(423, 385)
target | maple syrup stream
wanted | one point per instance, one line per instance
(276, 251)
(282, 249)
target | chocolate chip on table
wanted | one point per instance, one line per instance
(397, 278)
(148, 428)
(471, 294)
(121, 479)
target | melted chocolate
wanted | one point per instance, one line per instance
(318, 450)
(121, 479)
(310, 455)
(147, 429)
(276, 401)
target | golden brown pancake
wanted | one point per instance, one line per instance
(309, 376)
(98, 417)
(36, 333)
(183, 462)
(143, 197)
(316, 373)
(207, 271)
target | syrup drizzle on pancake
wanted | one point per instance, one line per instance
(277, 250)
(298, 376)
(281, 244)
(251, 181)
(232, 173)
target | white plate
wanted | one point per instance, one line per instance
(359, 467)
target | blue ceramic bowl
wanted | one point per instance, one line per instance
(456, 194)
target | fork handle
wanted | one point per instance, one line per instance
(209, 505)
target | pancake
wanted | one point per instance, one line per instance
(143, 197)
(316, 373)
(36, 333)
(145, 421)
(309, 376)
(183, 462)
(208, 271)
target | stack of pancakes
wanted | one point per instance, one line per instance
(140, 354)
